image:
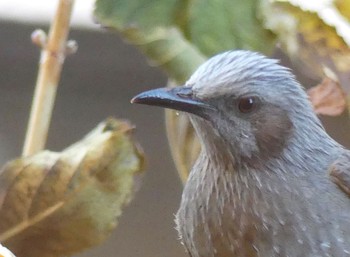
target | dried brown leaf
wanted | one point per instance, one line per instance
(57, 204)
(328, 98)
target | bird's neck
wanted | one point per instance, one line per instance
(218, 172)
(252, 202)
(308, 147)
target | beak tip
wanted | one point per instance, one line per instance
(137, 99)
(133, 100)
(151, 97)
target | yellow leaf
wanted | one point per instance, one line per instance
(344, 8)
(57, 204)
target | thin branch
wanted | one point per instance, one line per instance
(52, 57)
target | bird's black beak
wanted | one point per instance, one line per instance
(178, 98)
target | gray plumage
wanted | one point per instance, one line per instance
(268, 182)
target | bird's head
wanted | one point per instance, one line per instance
(243, 101)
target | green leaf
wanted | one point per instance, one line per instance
(180, 35)
(222, 25)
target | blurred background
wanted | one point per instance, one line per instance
(97, 82)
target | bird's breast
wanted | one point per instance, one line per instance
(226, 214)
(214, 218)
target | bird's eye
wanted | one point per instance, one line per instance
(246, 104)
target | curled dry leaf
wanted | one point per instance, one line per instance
(328, 98)
(57, 204)
(184, 144)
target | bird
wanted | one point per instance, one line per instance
(269, 181)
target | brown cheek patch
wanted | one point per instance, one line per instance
(272, 130)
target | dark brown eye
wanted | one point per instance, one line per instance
(246, 104)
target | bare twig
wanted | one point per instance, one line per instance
(51, 61)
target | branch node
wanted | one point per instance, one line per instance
(71, 47)
(39, 38)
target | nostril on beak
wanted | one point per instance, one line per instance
(185, 92)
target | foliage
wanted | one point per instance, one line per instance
(57, 204)
(315, 34)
